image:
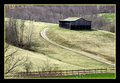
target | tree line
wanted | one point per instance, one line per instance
(53, 13)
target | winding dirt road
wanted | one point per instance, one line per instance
(80, 52)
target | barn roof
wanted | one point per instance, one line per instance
(70, 19)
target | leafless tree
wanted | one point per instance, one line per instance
(99, 23)
(11, 32)
(47, 66)
(28, 66)
(22, 26)
(112, 28)
(12, 61)
(12, 35)
(29, 34)
(52, 13)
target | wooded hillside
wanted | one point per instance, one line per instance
(52, 13)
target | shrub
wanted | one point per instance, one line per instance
(112, 28)
(99, 23)
(11, 33)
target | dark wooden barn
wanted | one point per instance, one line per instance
(75, 23)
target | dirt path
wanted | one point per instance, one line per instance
(80, 52)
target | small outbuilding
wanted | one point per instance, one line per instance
(75, 23)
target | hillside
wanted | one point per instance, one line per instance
(101, 43)
(98, 42)
(52, 13)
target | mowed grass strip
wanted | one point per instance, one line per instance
(85, 76)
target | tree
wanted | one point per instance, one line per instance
(47, 66)
(29, 34)
(22, 26)
(99, 23)
(11, 32)
(112, 28)
(28, 66)
(12, 61)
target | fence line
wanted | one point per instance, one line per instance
(62, 73)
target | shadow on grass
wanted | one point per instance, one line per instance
(87, 30)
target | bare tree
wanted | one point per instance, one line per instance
(48, 66)
(29, 34)
(22, 26)
(11, 32)
(99, 23)
(12, 61)
(28, 66)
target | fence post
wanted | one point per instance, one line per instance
(89, 71)
(95, 71)
(101, 70)
(78, 72)
(84, 71)
(106, 70)
(55, 73)
(72, 72)
(61, 73)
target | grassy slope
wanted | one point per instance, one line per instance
(101, 43)
(63, 58)
(38, 59)
(67, 56)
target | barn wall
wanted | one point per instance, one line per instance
(80, 27)
(64, 25)
(81, 22)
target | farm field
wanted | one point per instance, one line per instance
(100, 42)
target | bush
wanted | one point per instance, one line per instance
(28, 66)
(11, 33)
(112, 28)
(99, 23)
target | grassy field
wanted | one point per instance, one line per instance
(100, 42)
(86, 76)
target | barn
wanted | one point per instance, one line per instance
(75, 23)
